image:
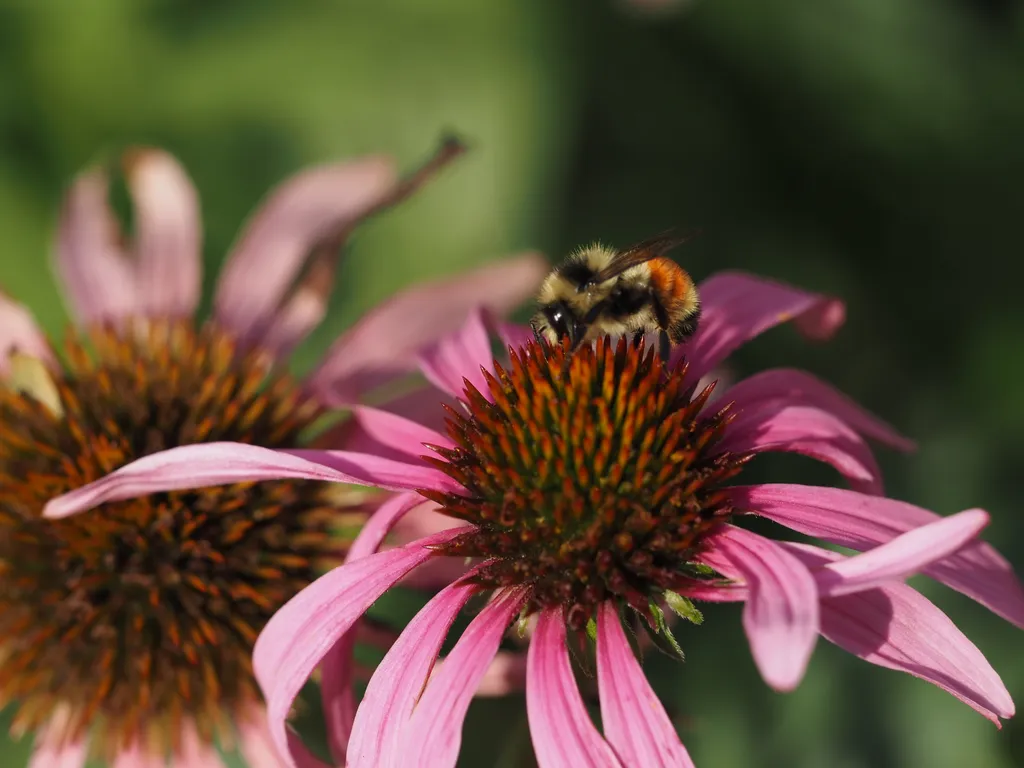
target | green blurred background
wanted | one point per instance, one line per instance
(868, 148)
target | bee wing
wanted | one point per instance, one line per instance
(642, 252)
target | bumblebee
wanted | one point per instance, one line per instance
(600, 291)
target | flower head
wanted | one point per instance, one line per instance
(598, 492)
(128, 632)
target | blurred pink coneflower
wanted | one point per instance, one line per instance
(128, 633)
(595, 493)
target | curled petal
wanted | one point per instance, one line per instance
(736, 307)
(811, 432)
(397, 682)
(563, 734)
(398, 433)
(903, 556)
(781, 614)
(98, 280)
(168, 233)
(385, 340)
(635, 722)
(199, 466)
(459, 355)
(282, 234)
(861, 522)
(19, 333)
(309, 625)
(434, 734)
(782, 386)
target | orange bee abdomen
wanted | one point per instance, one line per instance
(670, 281)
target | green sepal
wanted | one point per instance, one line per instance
(683, 607)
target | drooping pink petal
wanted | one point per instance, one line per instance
(168, 233)
(505, 675)
(434, 734)
(198, 466)
(308, 626)
(635, 722)
(903, 556)
(459, 355)
(52, 748)
(302, 311)
(194, 752)
(398, 433)
(98, 281)
(337, 667)
(511, 334)
(736, 307)
(785, 386)
(19, 333)
(562, 732)
(256, 746)
(860, 522)
(282, 233)
(808, 431)
(898, 628)
(385, 340)
(397, 682)
(781, 614)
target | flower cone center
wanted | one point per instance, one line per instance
(140, 614)
(587, 478)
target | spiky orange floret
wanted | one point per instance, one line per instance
(142, 613)
(587, 478)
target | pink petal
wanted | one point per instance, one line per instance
(783, 386)
(282, 234)
(136, 756)
(19, 333)
(434, 734)
(635, 722)
(398, 433)
(736, 307)
(398, 681)
(505, 675)
(304, 309)
(903, 556)
(781, 614)
(459, 355)
(256, 746)
(194, 752)
(308, 626)
(199, 466)
(562, 732)
(511, 334)
(337, 666)
(386, 339)
(861, 522)
(168, 233)
(808, 431)
(53, 750)
(898, 628)
(99, 282)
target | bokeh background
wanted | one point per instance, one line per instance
(873, 149)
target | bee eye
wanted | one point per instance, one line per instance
(558, 318)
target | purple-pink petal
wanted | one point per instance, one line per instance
(434, 734)
(19, 333)
(308, 626)
(282, 234)
(397, 432)
(384, 342)
(903, 556)
(398, 681)
(635, 723)
(459, 355)
(98, 280)
(563, 734)
(784, 386)
(809, 431)
(168, 233)
(861, 522)
(898, 628)
(736, 307)
(781, 614)
(199, 466)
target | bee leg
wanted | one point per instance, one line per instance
(664, 347)
(536, 334)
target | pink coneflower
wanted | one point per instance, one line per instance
(128, 633)
(590, 494)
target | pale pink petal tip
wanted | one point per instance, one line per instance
(635, 723)
(563, 734)
(385, 341)
(199, 466)
(781, 614)
(168, 237)
(19, 333)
